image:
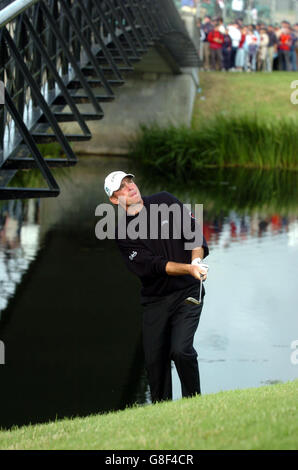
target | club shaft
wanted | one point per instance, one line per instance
(200, 296)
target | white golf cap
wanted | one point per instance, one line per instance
(113, 181)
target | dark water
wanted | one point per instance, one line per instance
(70, 318)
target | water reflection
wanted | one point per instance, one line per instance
(225, 230)
(251, 302)
(69, 349)
(72, 327)
(250, 222)
(19, 233)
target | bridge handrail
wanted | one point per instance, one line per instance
(13, 9)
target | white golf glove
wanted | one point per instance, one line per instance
(198, 262)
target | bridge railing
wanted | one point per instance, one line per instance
(58, 55)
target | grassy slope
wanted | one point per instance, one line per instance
(260, 418)
(258, 94)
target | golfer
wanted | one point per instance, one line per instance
(170, 275)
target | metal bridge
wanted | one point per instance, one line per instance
(55, 56)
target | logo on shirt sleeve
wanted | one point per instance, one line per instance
(133, 255)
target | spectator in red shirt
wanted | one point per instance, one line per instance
(284, 47)
(241, 54)
(216, 39)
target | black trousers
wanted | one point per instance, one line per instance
(169, 326)
(233, 56)
(226, 59)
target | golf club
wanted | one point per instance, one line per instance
(192, 300)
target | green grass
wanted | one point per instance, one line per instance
(259, 418)
(266, 96)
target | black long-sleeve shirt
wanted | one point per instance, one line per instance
(147, 258)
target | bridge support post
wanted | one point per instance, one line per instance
(146, 98)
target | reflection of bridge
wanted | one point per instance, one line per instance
(72, 347)
(60, 60)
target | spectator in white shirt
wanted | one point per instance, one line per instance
(235, 35)
(252, 44)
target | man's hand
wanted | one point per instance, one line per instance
(198, 272)
(197, 269)
(203, 268)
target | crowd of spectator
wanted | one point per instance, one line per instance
(240, 47)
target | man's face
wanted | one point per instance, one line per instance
(128, 193)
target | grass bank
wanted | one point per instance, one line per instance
(244, 120)
(258, 418)
(223, 142)
(266, 96)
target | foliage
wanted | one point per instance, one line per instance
(33, 178)
(178, 152)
